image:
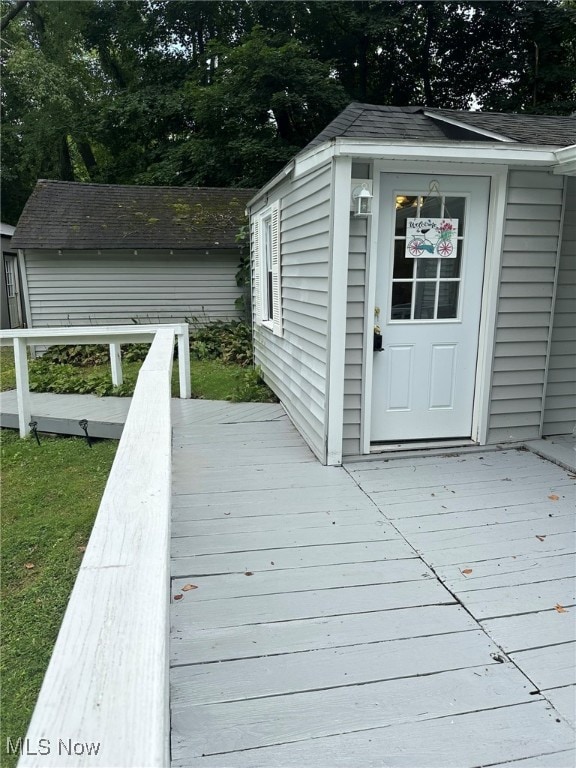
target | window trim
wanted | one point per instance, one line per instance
(267, 269)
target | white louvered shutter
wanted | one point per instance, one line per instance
(276, 271)
(256, 270)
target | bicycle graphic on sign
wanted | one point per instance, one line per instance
(431, 238)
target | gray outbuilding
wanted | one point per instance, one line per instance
(102, 254)
(414, 280)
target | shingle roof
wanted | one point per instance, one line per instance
(62, 214)
(370, 121)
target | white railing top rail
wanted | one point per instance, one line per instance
(89, 334)
(114, 335)
(104, 700)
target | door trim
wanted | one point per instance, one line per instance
(494, 241)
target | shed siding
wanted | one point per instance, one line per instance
(560, 409)
(295, 364)
(355, 313)
(533, 216)
(113, 287)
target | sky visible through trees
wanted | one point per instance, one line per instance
(214, 93)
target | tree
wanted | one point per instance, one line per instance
(225, 91)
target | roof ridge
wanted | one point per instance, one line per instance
(481, 112)
(100, 185)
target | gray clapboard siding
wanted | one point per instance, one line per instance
(295, 364)
(355, 311)
(560, 405)
(525, 304)
(112, 287)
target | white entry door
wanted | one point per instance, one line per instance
(429, 294)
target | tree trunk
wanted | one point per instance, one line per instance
(429, 100)
(87, 156)
(12, 13)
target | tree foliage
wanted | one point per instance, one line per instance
(224, 92)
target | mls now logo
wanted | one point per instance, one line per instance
(63, 747)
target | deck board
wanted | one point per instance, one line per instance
(487, 738)
(331, 622)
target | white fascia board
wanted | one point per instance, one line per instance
(7, 229)
(280, 176)
(449, 152)
(566, 160)
(467, 127)
(440, 151)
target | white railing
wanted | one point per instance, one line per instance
(114, 335)
(104, 700)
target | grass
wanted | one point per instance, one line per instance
(50, 496)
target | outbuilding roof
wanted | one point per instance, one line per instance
(370, 121)
(63, 214)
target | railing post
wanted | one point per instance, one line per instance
(184, 363)
(22, 385)
(116, 364)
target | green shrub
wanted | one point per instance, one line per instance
(230, 342)
(79, 355)
(251, 388)
(65, 379)
(86, 355)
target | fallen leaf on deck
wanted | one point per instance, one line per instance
(178, 597)
(553, 497)
(226, 513)
(29, 566)
(271, 562)
(540, 538)
(466, 571)
(188, 587)
(248, 573)
(560, 608)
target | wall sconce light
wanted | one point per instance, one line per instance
(361, 199)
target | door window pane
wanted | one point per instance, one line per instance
(426, 267)
(405, 209)
(401, 301)
(451, 267)
(431, 207)
(403, 267)
(425, 300)
(448, 299)
(454, 208)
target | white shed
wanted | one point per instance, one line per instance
(105, 254)
(452, 236)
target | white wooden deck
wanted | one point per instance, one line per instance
(61, 413)
(399, 612)
(402, 612)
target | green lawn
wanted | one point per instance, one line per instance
(50, 496)
(211, 379)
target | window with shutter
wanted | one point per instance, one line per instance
(267, 269)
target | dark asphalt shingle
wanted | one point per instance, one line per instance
(62, 214)
(371, 121)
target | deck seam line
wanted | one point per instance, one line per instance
(319, 648)
(367, 730)
(359, 684)
(323, 616)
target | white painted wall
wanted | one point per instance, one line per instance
(112, 287)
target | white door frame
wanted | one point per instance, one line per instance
(494, 241)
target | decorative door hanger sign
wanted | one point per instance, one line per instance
(431, 238)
